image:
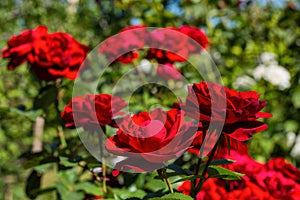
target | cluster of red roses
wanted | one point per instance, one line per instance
(275, 179)
(58, 54)
(171, 45)
(158, 136)
(50, 56)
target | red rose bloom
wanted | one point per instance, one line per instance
(151, 137)
(51, 56)
(280, 165)
(124, 43)
(168, 71)
(181, 46)
(197, 34)
(242, 109)
(92, 110)
(20, 46)
(169, 38)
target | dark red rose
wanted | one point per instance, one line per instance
(181, 47)
(170, 39)
(242, 109)
(121, 47)
(21, 46)
(168, 71)
(57, 55)
(198, 35)
(287, 169)
(278, 186)
(210, 190)
(152, 137)
(92, 110)
(51, 56)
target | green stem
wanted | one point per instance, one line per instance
(162, 174)
(199, 186)
(194, 182)
(102, 159)
(169, 185)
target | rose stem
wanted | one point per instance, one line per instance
(193, 182)
(102, 159)
(59, 128)
(198, 188)
(169, 185)
(162, 174)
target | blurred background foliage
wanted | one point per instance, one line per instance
(239, 31)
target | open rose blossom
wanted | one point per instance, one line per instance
(168, 71)
(154, 137)
(181, 46)
(125, 42)
(92, 110)
(242, 109)
(50, 56)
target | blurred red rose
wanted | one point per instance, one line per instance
(242, 109)
(181, 46)
(92, 110)
(288, 170)
(197, 34)
(130, 38)
(21, 46)
(261, 181)
(170, 39)
(153, 137)
(168, 71)
(51, 56)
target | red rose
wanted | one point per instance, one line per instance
(197, 34)
(247, 190)
(169, 38)
(181, 46)
(57, 55)
(120, 48)
(151, 137)
(20, 46)
(92, 110)
(288, 170)
(51, 56)
(242, 109)
(278, 186)
(210, 190)
(168, 71)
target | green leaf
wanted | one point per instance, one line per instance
(73, 195)
(188, 178)
(89, 188)
(220, 172)
(222, 162)
(179, 169)
(125, 194)
(173, 196)
(32, 114)
(65, 161)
